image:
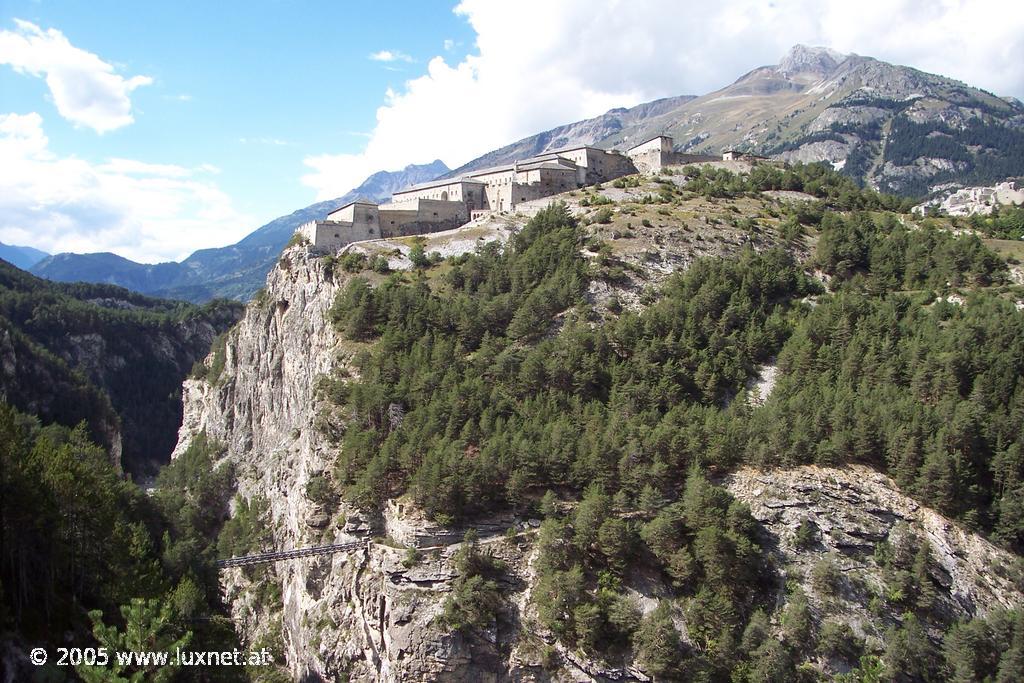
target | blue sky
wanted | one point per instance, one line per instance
(153, 129)
(249, 89)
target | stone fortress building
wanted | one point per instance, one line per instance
(448, 203)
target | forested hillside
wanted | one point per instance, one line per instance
(87, 559)
(103, 355)
(85, 556)
(492, 384)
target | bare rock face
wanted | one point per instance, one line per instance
(372, 614)
(801, 59)
(976, 200)
(850, 511)
(361, 614)
(852, 115)
(922, 167)
(832, 151)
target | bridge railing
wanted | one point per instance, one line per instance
(277, 556)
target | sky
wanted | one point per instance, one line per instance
(154, 129)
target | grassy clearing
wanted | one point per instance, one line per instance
(1007, 248)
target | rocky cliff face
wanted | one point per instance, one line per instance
(847, 512)
(373, 614)
(976, 200)
(363, 614)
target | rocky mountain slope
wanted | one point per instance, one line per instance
(837, 541)
(895, 128)
(595, 131)
(235, 271)
(845, 515)
(102, 354)
(971, 201)
(891, 127)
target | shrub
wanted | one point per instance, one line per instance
(796, 620)
(412, 558)
(838, 640)
(211, 373)
(623, 615)
(475, 600)
(590, 623)
(418, 256)
(320, 491)
(806, 534)
(826, 577)
(353, 262)
(792, 230)
(297, 238)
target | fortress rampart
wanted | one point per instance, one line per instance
(450, 202)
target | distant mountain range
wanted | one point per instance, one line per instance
(892, 127)
(236, 271)
(23, 257)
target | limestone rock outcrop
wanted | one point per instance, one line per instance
(846, 513)
(372, 614)
(972, 200)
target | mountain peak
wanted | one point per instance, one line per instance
(809, 59)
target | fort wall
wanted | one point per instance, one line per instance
(333, 235)
(449, 203)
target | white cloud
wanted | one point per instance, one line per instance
(84, 88)
(539, 64)
(143, 211)
(449, 44)
(391, 56)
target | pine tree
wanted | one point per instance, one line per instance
(657, 642)
(149, 626)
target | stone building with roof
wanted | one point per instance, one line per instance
(739, 155)
(501, 188)
(447, 203)
(654, 154)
